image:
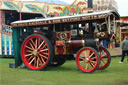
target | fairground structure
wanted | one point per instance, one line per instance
(123, 27)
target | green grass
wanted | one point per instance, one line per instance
(67, 74)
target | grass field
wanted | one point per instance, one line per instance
(67, 74)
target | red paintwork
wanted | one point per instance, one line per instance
(76, 43)
(59, 50)
(60, 43)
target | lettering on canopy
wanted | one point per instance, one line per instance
(60, 20)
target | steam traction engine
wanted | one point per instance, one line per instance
(48, 42)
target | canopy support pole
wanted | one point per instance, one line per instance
(20, 16)
(109, 25)
(114, 22)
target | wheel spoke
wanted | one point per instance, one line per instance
(28, 55)
(100, 53)
(36, 44)
(84, 64)
(29, 47)
(44, 50)
(87, 66)
(81, 61)
(35, 61)
(32, 60)
(104, 56)
(103, 53)
(85, 54)
(43, 56)
(29, 51)
(91, 55)
(88, 52)
(92, 64)
(82, 58)
(103, 61)
(93, 58)
(40, 61)
(45, 53)
(40, 45)
(44, 46)
(32, 42)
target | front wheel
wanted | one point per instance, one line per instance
(36, 52)
(105, 58)
(88, 59)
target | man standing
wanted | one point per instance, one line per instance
(124, 49)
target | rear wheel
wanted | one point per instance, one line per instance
(88, 59)
(105, 58)
(36, 52)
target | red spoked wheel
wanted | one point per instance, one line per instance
(36, 52)
(87, 59)
(105, 58)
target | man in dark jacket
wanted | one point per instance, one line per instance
(124, 49)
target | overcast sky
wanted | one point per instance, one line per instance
(122, 6)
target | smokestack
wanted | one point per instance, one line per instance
(90, 3)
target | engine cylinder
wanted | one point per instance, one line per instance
(91, 42)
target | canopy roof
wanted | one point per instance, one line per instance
(66, 19)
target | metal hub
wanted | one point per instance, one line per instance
(87, 59)
(35, 52)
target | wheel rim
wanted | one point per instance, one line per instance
(104, 58)
(35, 52)
(87, 60)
